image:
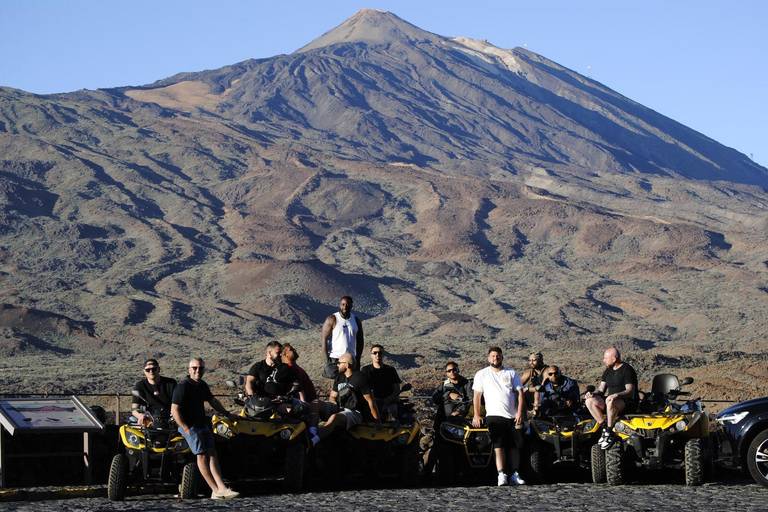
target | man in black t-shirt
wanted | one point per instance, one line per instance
(156, 391)
(188, 409)
(352, 391)
(271, 377)
(385, 382)
(619, 387)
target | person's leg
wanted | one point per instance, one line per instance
(205, 472)
(614, 409)
(596, 407)
(213, 464)
(336, 420)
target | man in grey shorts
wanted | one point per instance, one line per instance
(352, 392)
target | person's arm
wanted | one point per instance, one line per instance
(598, 392)
(216, 406)
(333, 396)
(374, 409)
(359, 341)
(250, 387)
(520, 416)
(629, 392)
(477, 420)
(326, 332)
(526, 376)
(176, 413)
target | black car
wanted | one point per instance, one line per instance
(742, 438)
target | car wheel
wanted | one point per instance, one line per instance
(757, 458)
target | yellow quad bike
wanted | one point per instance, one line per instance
(263, 444)
(366, 454)
(152, 453)
(561, 436)
(662, 434)
(463, 451)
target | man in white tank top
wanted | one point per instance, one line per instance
(345, 333)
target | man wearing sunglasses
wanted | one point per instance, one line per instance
(385, 382)
(155, 390)
(188, 409)
(454, 396)
(560, 393)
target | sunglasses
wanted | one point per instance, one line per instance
(376, 353)
(197, 368)
(341, 362)
(553, 373)
(153, 369)
(451, 370)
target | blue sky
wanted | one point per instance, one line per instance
(703, 63)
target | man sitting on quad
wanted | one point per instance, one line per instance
(619, 381)
(156, 391)
(532, 378)
(271, 378)
(385, 383)
(454, 396)
(559, 394)
(352, 391)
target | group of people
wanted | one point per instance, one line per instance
(371, 394)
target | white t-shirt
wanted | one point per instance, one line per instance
(343, 336)
(499, 390)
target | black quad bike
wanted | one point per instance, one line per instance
(264, 444)
(562, 436)
(364, 452)
(152, 453)
(662, 434)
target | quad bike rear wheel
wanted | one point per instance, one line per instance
(597, 464)
(539, 463)
(409, 471)
(694, 462)
(190, 478)
(757, 458)
(614, 466)
(118, 477)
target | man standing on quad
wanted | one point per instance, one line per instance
(505, 412)
(560, 393)
(533, 377)
(156, 391)
(345, 333)
(352, 391)
(619, 381)
(385, 382)
(188, 409)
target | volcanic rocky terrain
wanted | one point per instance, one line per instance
(465, 195)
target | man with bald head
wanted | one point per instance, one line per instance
(352, 392)
(617, 394)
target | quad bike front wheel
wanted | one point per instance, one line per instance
(190, 477)
(597, 464)
(614, 466)
(694, 462)
(757, 458)
(118, 478)
(295, 462)
(446, 474)
(409, 472)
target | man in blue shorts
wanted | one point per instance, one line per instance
(188, 409)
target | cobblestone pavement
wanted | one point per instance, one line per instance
(741, 495)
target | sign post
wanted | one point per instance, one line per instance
(48, 415)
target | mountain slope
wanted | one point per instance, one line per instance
(463, 194)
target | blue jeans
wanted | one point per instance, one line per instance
(199, 439)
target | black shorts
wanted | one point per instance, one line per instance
(503, 432)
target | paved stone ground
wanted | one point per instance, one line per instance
(741, 495)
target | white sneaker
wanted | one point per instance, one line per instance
(514, 478)
(502, 480)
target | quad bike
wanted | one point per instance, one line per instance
(154, 452)
(559, 435)
(662, 434)
(263, 443)
(462, 450)
(365, 452)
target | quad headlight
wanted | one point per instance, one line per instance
(223, 429)
(457, 433)
(403, 438)
(681, 425)
(622, 427)
(181, 445)
(132, 439)
(286, 434)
